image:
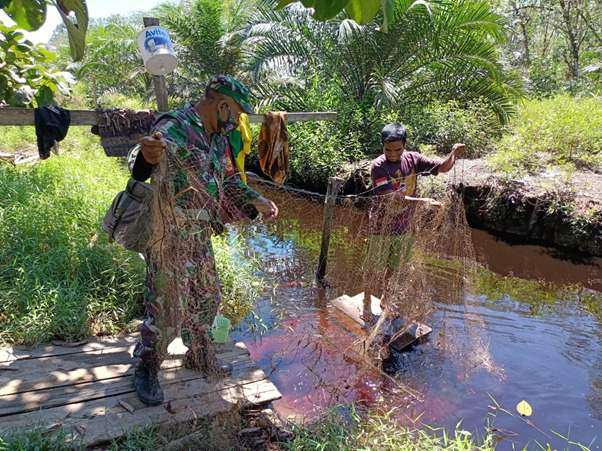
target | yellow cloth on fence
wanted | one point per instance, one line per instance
(247, 136)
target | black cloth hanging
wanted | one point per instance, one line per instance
(52, 124)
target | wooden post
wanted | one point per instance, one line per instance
(94, 91)
(158, 80)
(334, 184)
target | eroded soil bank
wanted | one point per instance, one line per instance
(554, 207)
(551, 207)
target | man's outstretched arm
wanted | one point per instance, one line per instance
(448, 163)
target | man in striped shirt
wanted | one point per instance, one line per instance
(394, 176)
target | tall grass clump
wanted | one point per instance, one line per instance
(59, 277)
(560, 131)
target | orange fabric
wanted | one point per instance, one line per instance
(273, 146)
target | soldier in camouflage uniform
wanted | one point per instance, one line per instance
(186, 294)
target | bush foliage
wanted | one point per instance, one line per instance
(563, 130)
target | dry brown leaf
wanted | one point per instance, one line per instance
(127, 406)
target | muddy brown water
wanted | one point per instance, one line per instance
(548, 351)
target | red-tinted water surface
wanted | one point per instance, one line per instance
(484, 356)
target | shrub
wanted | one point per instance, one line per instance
(558, 131)
(544, 78)
(443, 124)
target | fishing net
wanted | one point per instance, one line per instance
(435, 265)
(183, 293)
(435, 259)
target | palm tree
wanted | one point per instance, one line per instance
(205, 37)
(433, 50)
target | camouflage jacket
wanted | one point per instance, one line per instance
(198, 162)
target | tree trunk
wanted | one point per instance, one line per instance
(523, 27)
(571, 37)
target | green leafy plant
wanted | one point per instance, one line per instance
(206, 37)
(442, 124)
(361, 11)
(112, 61)
(31, 15)
(438, 51)
(564, 130)
(23, 76)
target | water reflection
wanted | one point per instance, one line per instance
(545, 351)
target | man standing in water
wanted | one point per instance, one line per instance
(182, 290)
(393, 176)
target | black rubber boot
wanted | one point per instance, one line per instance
(207, 363)
(146, 381)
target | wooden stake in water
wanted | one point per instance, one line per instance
(334, 184)
(158, 80)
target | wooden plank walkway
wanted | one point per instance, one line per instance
(81, 389)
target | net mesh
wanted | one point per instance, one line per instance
(434, 265)
(433, 259)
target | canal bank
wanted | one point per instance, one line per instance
(551, 208)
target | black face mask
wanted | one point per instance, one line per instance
(225, 127)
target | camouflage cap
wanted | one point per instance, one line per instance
(232, 88)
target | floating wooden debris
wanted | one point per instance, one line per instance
(354, 307)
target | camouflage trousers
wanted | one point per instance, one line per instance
(180, 297)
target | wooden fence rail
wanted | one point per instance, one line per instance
(24, 116)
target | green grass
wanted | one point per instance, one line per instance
(36, 439)
(241, 286)
(380, 431)
(563, 131)
(59, 276)
(334, 431)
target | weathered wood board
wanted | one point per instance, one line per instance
(88, 390)
(354, 307)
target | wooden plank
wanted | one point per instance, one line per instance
(25, 116)
(408, 333)
(186, 407)
(415, 331)
(299, 117)
(105, 419)
(244, 369)
(45, 372)
(354, 306)
(109, 344)
(50, 350)
(19, 381)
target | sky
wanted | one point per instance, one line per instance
(96, 10)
